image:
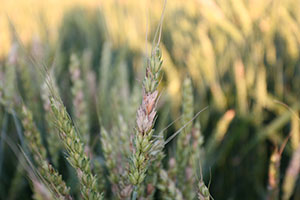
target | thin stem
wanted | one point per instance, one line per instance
(134, 193)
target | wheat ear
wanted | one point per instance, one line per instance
(33, 137)
(77, 157)
(145, 119)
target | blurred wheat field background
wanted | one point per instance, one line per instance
(72, 82)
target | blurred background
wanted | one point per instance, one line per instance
(242, 57)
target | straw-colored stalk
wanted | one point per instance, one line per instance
(291, 175)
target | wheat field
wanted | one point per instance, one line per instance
(129, 99)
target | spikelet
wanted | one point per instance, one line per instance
(183, 148)
(110, 151)
(168, 187)
(98, 168)
(188, 105)
(156, 157)
(197, 152)
(183, 141)
(203, 192)
(197, 143)
(124, 132)
(32, 135)
(109, 155)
